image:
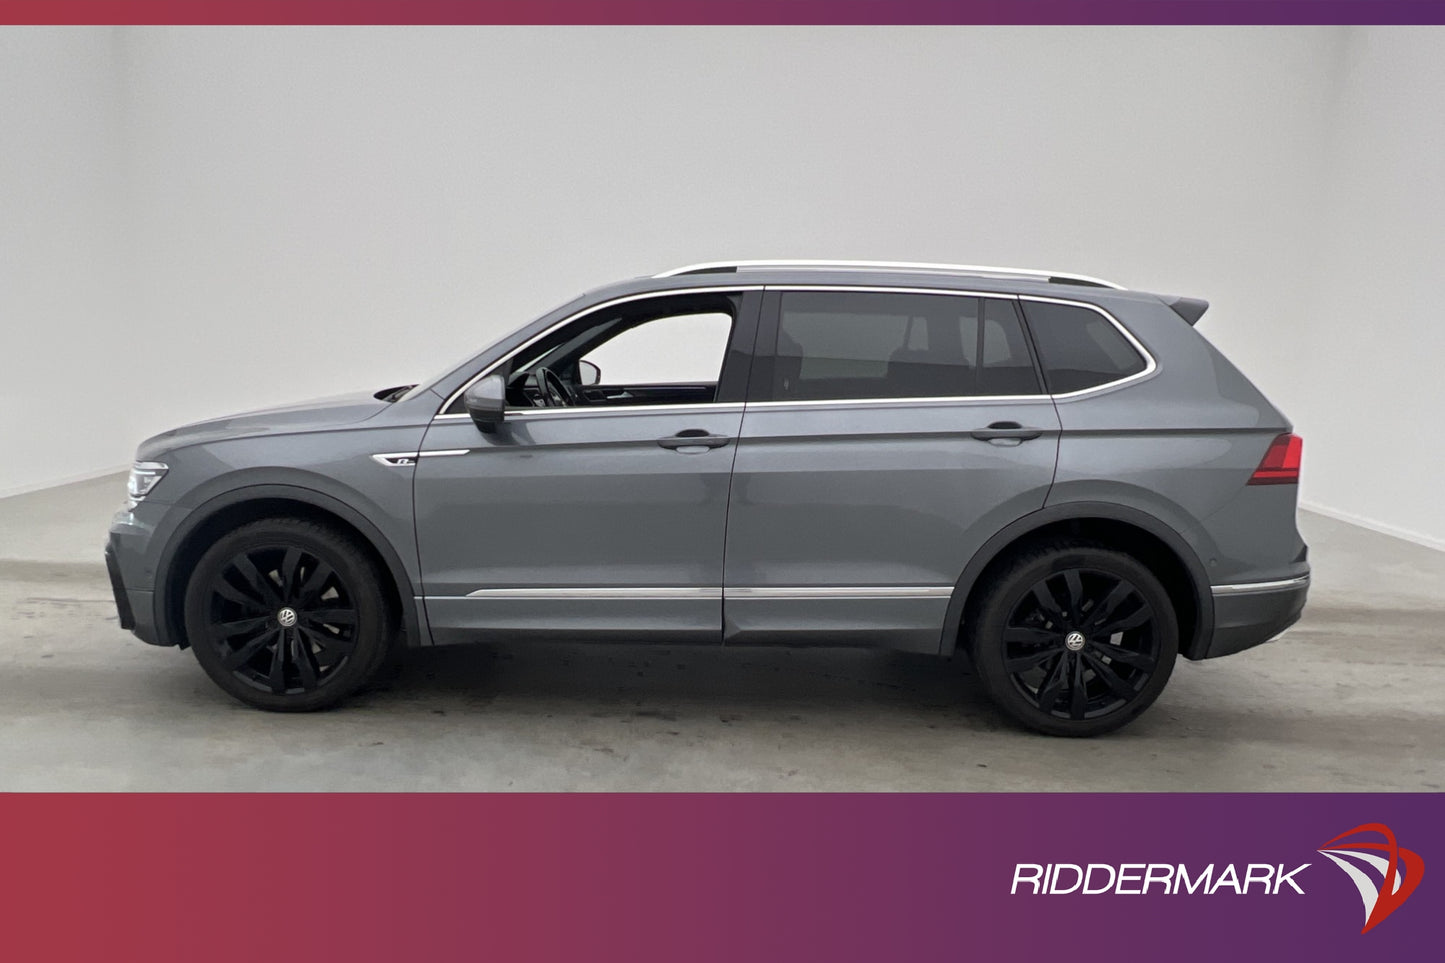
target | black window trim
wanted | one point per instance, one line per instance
(1023, 323)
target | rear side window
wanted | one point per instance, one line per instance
(1079, 348)
(840, 345)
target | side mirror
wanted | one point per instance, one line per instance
(588, 374)
(486, 402)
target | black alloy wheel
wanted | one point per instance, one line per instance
(1081, 644)
(282, 618)
(1073, 639)
(288, 615)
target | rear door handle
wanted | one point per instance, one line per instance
(694, 438)
(1006, 429)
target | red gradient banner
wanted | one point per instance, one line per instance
(721, 11)
(698, 877)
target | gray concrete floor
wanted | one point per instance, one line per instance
(1351, 699)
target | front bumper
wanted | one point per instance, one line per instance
(1253, 613)
(117, 588)
(134, 606)
(129, 562)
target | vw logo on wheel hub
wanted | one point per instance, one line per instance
(287, 617)
(1074, 641)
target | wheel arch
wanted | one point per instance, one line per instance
(1136, 532)
(239, 506)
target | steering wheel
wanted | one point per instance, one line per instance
(552, 389)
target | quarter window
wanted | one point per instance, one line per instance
(1079, 348)
(840, 345)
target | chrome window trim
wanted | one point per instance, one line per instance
(1151, 365)
(980, 270)
(670, 292)
(531, 414)
(1251, 588)
(934, 402)
(708, 407)
(892, 289)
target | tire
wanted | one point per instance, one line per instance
(288, 615)
(1073, 639)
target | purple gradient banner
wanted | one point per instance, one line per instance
(718, 877)
(723, 11)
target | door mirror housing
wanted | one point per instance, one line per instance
(486, 402)
(588, 374)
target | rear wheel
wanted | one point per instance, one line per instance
(288, 615)
(1074, 639)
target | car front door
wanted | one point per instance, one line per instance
(887, 435)
(603, 518)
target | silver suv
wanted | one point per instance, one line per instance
(1058, 476)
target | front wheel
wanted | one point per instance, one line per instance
(1074, 639)
(288, 615)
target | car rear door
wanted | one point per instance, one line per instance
(888, 433)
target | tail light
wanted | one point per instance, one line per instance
(1281, 463)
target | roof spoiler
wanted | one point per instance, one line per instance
(1190, 309)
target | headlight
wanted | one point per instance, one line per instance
(144, 476)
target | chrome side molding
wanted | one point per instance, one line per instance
(403, 459)
(714, 593)
(1250, 588)
(839, 592)
(624, 592)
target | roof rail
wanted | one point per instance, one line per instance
(1055, 277)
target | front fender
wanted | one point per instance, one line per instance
(292, 485)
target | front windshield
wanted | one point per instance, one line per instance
(426, 383)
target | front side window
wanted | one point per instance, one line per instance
(842, 345)
(664, 350)
(668, 350)
(1079, 348)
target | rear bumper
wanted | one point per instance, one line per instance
(1252, 613)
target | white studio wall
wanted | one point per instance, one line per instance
(1367, 366)
(289, 212)
(63, 207)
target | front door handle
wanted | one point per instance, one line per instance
(694, 438)
(1006, 429)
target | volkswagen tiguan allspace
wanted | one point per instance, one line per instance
(1060, 477)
